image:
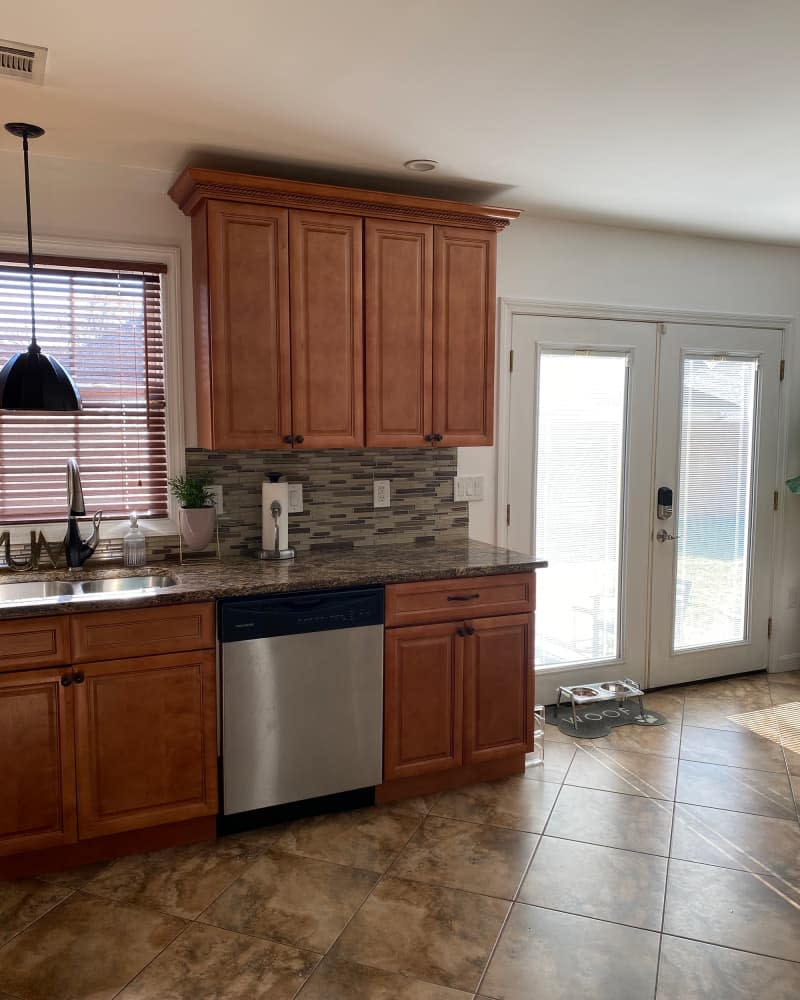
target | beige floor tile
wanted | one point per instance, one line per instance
(85, 948)
(742, 686)
(477, 858)
(620, 771)
(420, 805)
(629, 822)
(24, 901)
(785, 677)
(557, 758)
(718, 746)
(346, 981)
(515, 803)
(365, 838)
(293, 900)
(731, 908)
(784, 695)
(737, 840)
(762, 792)
(692, 970)
(537, 957)
(181, 880)
(211, 962)
(442, 936)
(593, 881)
(552, 734)
(662, 740)
(261, 838)
(752, 714)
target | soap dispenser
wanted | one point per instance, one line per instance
(134, 548)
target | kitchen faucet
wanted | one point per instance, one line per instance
(77, 550)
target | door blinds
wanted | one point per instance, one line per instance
(103, 322)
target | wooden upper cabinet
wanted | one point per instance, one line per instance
(242, 331)
(498, 687)
(398, 282)
(37, 788)
(463, 336)
(327, 330)
(145, 739)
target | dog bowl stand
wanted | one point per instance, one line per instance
(585, 694)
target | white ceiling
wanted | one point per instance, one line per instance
(679, 114)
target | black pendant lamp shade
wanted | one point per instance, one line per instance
(30, 380)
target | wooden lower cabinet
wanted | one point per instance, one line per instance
(145, 737)
(498, 692)
(37, 787)
(423, 700)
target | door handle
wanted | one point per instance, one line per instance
(665, 536)
(463, 597)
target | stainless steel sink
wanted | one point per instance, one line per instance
(58, 592)
(124, 584)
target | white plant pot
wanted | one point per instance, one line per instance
(197, 526)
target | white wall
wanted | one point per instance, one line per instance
(572, 262)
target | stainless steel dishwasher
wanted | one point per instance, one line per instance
(302, 696)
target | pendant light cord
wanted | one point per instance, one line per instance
(33, 345)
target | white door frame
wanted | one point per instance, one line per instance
(509, 308)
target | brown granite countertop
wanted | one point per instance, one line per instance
(209, 579)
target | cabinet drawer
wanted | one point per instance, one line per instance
(112, 635)
(466, 597)
(33, 642)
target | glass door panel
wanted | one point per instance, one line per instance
(581, 418)
(714, 501)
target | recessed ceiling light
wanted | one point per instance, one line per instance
(421, 166)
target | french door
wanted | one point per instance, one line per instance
(642, 466)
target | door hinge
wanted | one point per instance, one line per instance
(783, 371)
(662, 328)
(775, 500)
(769, 628)
(511, 361)
(508, 515)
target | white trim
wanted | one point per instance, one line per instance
(509, 308)
(173, 365)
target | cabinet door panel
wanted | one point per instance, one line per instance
(145, 736)
(398, 270)
(423, 700)
(327, 330)
(248, 274)
(498, 687)
(463, 336)
(34, 642)
(37, 790)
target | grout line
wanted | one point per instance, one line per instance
(727, 947)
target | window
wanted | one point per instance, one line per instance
(103, 321)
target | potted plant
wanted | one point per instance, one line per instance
(198, 515)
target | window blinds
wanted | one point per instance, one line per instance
(103, 322)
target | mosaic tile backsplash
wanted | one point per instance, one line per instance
(337, 496)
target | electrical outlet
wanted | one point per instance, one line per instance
(791, 598)
(216, 490)
(381, 493)
(295, 498)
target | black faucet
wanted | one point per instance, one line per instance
(77, 550)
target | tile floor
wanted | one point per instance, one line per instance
(662, 863)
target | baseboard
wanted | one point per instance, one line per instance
(457, 777)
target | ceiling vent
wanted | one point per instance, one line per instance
(23, 62)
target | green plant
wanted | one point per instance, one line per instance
(190, 491)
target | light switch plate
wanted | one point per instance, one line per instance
(381, 493)
(467, 488)
(295, 498)
(216, 490)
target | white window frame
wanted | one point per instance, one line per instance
(173, 370)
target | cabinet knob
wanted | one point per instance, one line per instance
(66, 681)
(469, 630)
(80, 677)
(460, 631)
(438, 437)
(429, 437)
(299, 439)
(288, 439)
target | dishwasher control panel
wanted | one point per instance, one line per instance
(308, 611)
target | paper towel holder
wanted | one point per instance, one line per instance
(275, 551)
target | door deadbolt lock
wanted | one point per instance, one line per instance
(664, 511)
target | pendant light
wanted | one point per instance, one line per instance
(31, 380)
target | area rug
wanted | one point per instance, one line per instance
(599, 718)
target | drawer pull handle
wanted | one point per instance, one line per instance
(463, 597)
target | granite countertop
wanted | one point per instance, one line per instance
(208, 579)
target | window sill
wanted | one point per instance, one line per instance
(112, 528)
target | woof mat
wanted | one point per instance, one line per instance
(599, 718)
